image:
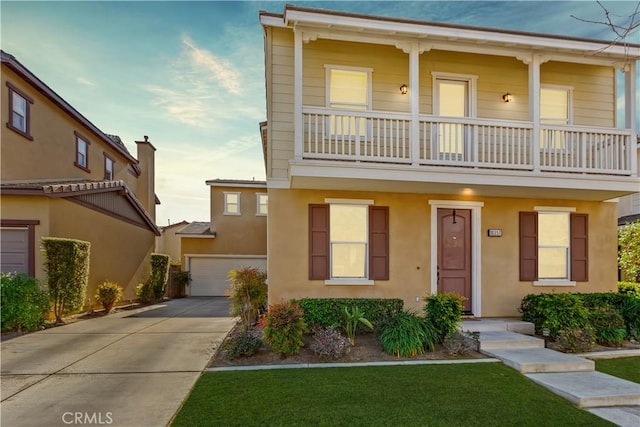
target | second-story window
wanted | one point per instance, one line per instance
(555, 110)
(109, 164)
(350, 89)
(231, 203)
(19, 119)
(82, 153)
(262, 204)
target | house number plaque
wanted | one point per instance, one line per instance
(494, 232)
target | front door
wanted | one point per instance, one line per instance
(454, 253)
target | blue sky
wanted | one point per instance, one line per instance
(191, 74)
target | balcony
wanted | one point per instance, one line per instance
(386, 138)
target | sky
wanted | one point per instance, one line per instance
(190, 75)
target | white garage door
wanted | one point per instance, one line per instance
(209, 274)
(14, 256)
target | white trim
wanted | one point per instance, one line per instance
(554, 209)
(258, 213)
(226, 204)
(224, 256)
(348, 68)
(278, 183)
(333, 201)
(554, 282)
(349, 282)
(258, 184)
(476, 249)
(195, 236)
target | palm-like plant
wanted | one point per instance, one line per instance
(352, 319)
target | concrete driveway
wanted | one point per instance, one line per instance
(128, 369)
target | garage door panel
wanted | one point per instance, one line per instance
(209, 275)
(14, 256)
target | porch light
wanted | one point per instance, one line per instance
(404, 89)
(507, 97)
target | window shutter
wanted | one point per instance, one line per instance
(379, 242)
(528, 246)
(318, 242)
(579, 247)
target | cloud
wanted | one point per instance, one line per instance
(84, 81)
(220, 71)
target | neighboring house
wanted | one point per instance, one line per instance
(61, 176)
(169, 242)
(406, 158)
(235, 237)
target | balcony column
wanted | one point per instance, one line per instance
(630, 112)
(297, 97)
(534, 61)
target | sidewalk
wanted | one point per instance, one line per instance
(127, 369)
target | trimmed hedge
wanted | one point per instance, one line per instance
(24, 304)
(159, 274)
(328, 312)
(67, 266)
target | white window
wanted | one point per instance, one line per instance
(231, 203)
(553, 245)
(555, 109)
(82, 152)
(108, 167)
(348, 231)
(350, 89)
(262, 206)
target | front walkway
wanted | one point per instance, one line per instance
(127, 369)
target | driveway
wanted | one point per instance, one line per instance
(127, 369)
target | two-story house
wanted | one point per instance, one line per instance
(235, 237)
(61, 176)
(406, 158)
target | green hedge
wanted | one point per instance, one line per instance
(159, 274)
(326, 312)
(24, 304)
(67, 266)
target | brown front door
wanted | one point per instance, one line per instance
(454, 253)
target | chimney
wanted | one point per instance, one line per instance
(146, 181)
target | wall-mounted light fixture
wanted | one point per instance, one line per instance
(507, 97)
(403, 89)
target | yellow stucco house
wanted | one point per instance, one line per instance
(235, 237)
(406, 158)
(61, 176)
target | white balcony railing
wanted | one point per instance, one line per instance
(385, 137)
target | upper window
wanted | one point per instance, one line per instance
(19, 119)
(82, 153)
(349, 89)
(555, 109)
(109, 164)
(262, 204)
(231, 203)
(348, 237)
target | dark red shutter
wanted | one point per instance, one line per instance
(528, 246)
(318, 242)
(378, 242)
(579, 247)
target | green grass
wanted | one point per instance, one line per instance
(487, 394)
(627, 368)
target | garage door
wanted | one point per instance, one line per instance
(14, 256)
(209, 275)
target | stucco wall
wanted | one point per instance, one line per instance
(410, 258)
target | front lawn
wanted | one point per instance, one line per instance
(483, 394)
(627, 368)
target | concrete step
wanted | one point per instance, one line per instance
(623, 416)
(491, 340)
(487, 325)
(536, 360)
(590, 389)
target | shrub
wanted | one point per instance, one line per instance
(244, 344)
(629, 250)
(159, 274)
(352, 319)
(444, 312)
(326, 312)
(460, 343)
(577, 340)
(182, 278)
(554, 311)
(284, 329)
(67, 266)
(629, 288)
(630, 310)
(328, 343)
(248, 292)
(108, 293)
(407, 335)
(24, 304)
(144, 291)
(608, 325)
